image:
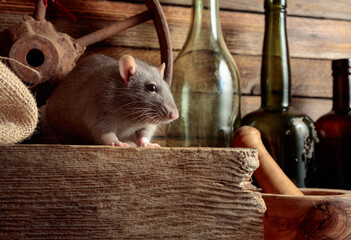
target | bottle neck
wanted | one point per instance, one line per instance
(342, 91)
(275, 71)
(205, 30)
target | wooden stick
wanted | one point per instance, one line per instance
(269, 175)
(40, 11)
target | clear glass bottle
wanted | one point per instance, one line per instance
(334, 131)
(205, 84)
(288, 135)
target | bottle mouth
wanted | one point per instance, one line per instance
(277, 4)
(341, 65)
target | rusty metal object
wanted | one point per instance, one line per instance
(35, 43)
(164, 37)
(38, 45)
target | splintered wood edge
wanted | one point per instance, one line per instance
(197, 193)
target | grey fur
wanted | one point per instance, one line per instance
(94, 100)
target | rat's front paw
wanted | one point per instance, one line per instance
(145, 142)
(120, 144)
(111, 139)
(152, 145)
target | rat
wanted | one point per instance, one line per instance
(111, 102)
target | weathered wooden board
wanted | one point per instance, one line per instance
(308, 37)
(318, 8)
(340, 9)
(314, 108)
(96, 192)
(305, 81)
(313, 36)
(310, 78)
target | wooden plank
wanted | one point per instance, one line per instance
(96, 192)
(143, 35)
(308, 38)
(104, 10)
(151, 56)
(340, 9)
(310, 77)
(314, 108)
(318, 8)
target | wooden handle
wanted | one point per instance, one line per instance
(269, 175)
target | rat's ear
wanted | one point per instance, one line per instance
(161, 69)
(127, 67)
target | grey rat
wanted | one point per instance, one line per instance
(110, 102)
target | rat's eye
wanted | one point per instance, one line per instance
(152, 88)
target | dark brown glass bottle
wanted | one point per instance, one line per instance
(288, 135)
(334, 131)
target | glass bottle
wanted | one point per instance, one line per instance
(205, 84)
(334, 131)
(288, 135)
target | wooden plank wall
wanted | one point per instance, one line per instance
(318, 32)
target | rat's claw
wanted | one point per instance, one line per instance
(153, 145)
(144, 142)
(120, 144)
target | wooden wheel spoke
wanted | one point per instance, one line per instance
(40, 11)
(115, 28)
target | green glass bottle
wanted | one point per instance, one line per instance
(289, 136)
(205, 84)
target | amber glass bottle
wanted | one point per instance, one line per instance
(289, 136)
(205, 84)
(334, 131)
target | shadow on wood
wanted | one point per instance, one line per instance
(98, 192)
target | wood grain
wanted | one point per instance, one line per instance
(314, 108)
(308, 37)
(340, 9)
(313, 42)
(317, 9)
(86, 192)
(320, 214)
(310, 78)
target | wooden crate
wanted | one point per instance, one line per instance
(98, 192)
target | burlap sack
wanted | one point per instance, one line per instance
(18, 109)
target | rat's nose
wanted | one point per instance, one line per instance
(174, 115)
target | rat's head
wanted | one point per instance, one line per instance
(150, 97)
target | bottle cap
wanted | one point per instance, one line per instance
(275, 3)
(341, 65)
